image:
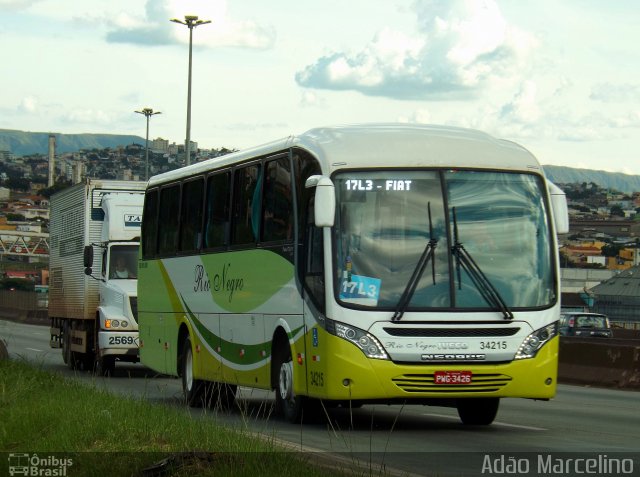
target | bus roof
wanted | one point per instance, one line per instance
(383, 145)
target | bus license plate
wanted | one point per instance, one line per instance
(452, 377)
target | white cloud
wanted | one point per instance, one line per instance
(615, 93)
(311, 99)
(28, 105)
(459, 48)
(88, 116)
(420, 116)
(524, 106)
(154, 27)
(15, 5)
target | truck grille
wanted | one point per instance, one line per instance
(133, 301)
(424, 383)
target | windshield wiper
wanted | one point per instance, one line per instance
(483, 284)
(427, 255)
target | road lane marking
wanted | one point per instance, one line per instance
(33, 349)
(519, 426)
(495, 423)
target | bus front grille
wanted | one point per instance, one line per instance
(425, 383)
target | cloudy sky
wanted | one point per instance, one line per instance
(561, 77)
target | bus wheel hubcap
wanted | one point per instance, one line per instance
(286, 380)
(188, 371)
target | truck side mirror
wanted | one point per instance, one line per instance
(325, 200)
(88, 258)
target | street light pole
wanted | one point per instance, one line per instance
(191, 21)
(148, 112)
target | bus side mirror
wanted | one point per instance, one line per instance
(325, 200)
(559, 208)
(88, 257)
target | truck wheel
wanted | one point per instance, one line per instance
(193, 389)
(105, 365)
(478, 411)
(68, 356)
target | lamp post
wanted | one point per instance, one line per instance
(191, 21)
(148, 112)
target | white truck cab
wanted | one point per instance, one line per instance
(95, 236)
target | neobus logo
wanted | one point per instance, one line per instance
(454, 357)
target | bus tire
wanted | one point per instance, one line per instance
(287, 403)
(478, 411)
(192, 388)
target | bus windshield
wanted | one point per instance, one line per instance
(387, 219)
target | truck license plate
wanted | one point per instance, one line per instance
(452, 377)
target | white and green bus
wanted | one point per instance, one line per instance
(353, 265)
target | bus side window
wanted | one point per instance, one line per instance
(169, 220)
(191, 215)
(149, 224)
(277, 205)
(216, 229)
(314, 266)
(246, 198)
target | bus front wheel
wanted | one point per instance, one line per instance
(478, 411)
(287, 403)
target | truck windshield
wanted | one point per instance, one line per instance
(383, 227)
(123, 262)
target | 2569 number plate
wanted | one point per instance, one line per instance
(452, 377)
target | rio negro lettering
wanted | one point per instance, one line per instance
(225, 282)
(222, 282)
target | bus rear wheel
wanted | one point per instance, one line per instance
(192, 388)
(478, 411)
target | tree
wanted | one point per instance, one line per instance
(60, 184)
(15, 183)
(616, 211)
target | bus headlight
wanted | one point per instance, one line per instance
(536, 340)
(369, 345)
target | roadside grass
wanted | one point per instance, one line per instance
(104, 434)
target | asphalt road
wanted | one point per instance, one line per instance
(414, 439)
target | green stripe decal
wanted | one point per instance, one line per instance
(174, 299)
(235, 353)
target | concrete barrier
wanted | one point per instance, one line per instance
(600, 362)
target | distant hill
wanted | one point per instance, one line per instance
(608, 180)
(23, 143)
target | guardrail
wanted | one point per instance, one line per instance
(606, 362)
(626, 325)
